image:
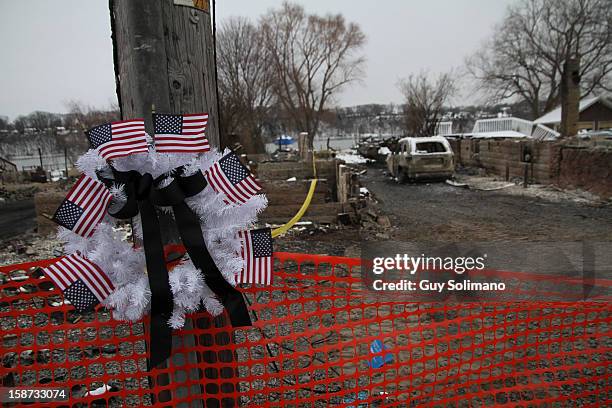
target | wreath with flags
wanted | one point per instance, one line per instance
(214, 200)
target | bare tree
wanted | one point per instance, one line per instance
(83, 117)
(424, 99)
(312, 58)
(20, 123)
(4, 123)
(524, 59)
(245, 82)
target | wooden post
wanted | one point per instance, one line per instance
(40, 158)
(570, 97)
(66, 160)
(164, 61)
(304, 147)
(164, 57)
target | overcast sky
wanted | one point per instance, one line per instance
(56, 51)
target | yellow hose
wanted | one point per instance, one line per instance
(313, 184)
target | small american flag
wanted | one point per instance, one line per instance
(84, 206)
(118, 139)
(257, 256)
(83, 283)
(230, 177)
(180, 133)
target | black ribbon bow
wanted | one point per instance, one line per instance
(143, 194)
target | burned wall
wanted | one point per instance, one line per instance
(513, 157)
(326, 169)
(587, 169)
(507, 158)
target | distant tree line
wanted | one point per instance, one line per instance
(79, 117)
(43, 130)
(392, 119)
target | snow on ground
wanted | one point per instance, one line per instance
(351, 157)
(543, 191)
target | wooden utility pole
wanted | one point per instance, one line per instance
(164, 59)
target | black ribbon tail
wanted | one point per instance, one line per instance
(142, 198)
(161, 296)
(191, 234)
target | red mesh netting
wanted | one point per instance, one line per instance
(320, 339)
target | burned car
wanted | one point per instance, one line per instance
(417, 158)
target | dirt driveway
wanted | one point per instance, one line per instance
(440, 212)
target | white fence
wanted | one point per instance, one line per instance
(444, 128)
(542, 132)
(503, 124)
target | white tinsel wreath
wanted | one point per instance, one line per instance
(126, 266)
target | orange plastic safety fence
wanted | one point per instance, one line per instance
(319, 339)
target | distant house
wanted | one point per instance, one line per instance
(595, 114)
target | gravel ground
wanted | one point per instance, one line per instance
(28, 247)
(19, 192)
(440, 212)
(327, 240)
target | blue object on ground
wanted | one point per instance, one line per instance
(377, 347)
